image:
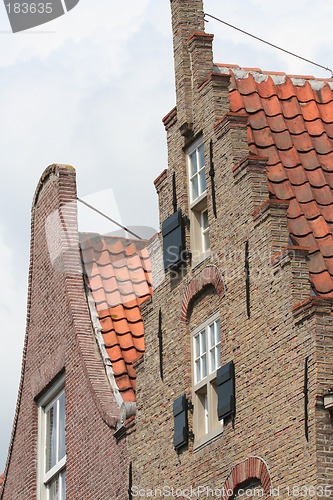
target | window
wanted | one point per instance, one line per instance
(52, 447)
(206, 355)
(198, 201)
(196, 158)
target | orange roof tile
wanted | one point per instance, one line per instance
(291, 124)
(118, 274)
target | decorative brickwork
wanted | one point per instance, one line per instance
(252, 468)
(209, 275)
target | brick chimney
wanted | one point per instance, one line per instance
(193, 56)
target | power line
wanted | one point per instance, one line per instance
(269, 43)
(108, 218)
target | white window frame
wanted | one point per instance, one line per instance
(197, 206)
(204, 389)
(45, 479)
(194, 150)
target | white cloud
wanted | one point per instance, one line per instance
(12, 314)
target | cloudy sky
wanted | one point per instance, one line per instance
(89, 89)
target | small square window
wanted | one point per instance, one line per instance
(52, 444)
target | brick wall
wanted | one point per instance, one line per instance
(269, 348)
(59, 337)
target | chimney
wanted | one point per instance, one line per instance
(192, 55)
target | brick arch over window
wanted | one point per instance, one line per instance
(252, 468)
(209, 275)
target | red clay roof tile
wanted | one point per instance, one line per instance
(315, 127)
(118, 275)
(275, 123)
(291, 123)
(290, 107)
(310, 210)
(295, 125)
(271, 106)
(310, 110)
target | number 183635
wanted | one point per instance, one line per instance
(29, 8)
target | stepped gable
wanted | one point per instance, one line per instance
(291, 124)
(118, 276)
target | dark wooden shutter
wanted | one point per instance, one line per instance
(173, 240)
(180, 436)
(226, 390)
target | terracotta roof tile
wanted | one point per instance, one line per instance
(295, 125)
(271, 106)
(291, 123)
(118, 275)
(310, 110)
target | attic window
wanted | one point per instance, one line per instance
(199, 216)
(197, 175)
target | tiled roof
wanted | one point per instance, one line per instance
(119, 277)
(291, 124)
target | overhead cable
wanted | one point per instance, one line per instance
(269, 43)
(109, 218)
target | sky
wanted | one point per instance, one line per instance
(90, 89)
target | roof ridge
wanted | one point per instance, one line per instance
(279, 77)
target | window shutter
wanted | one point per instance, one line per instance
(173, 240)
(226, 390)
(180, 437)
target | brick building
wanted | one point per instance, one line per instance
(84, 329)
(239, 337)
(228, 384)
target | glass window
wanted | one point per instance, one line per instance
(205, 230)
(206, 361)
(52, 453)
(197, 172)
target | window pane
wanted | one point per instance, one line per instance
(63, 485)
(197, 371)
(202, 181)
(51, 437)
(206, 244)
(218, 331)
(203, 341)
(197, 346)
(201, 152)
(212, 335)
(204, 219)
(206, 414)
(218, 354)
(212, 360)
(54, 493)
(193, 161)
(204, 366)
(62, 449)
(195, 187)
